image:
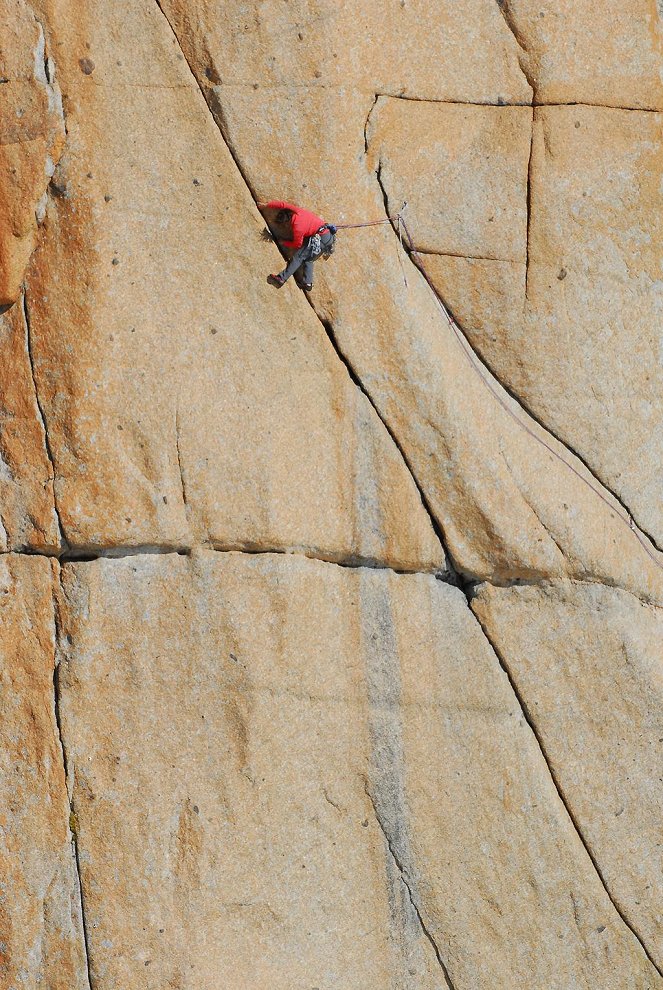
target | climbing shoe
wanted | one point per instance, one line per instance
(276, 280)
(307, 286)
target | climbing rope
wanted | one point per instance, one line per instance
(370, 223)
(479, 369)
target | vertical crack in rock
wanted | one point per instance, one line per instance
(560, 791)
(406, 883)
(486, 371)
(217, 116)
(72, 824)
(42, 417)
(368, 119)
(179, 453)
(528, 204)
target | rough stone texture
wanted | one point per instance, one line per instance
(575, 332)
(186, 403)
(456, 50)
(234, 727)
(31, 138)
(587, 661)
(41, 943)
(27, 511)
(576, 52)
(463, 172)
(283, 772)
(507, 507)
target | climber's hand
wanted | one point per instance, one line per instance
(266, 234)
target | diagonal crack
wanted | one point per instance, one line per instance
(490, 377)
(40, 410)
(523, 53)
(218, 117)
(402, 872)
(179, 453)
(72, 823)
(501, 659)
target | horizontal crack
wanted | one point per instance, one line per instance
(87, 554)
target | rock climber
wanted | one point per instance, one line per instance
(310, 237)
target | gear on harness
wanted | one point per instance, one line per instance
(318, 246)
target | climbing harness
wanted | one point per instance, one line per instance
(480, 370)
(318, 246)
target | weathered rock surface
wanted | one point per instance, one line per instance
(576, 332)
(27, 510)
(587, 662)
(31, 138)
(41, 940)
(508, 507)
(267, 752)
(460, 50)
(575, 53)
(188, 403)
(299, 773)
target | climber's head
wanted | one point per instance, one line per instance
(284, 216)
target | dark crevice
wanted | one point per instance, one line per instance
(354, 377)
(216, 110)
(72, 823)
(42, 417)
(406, 883)
(350, 562)
(558, 787)
(457, 103)
(429, 252)
(179, 454)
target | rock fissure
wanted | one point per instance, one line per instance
(528, 208)
(408, 887)
(219, 110)
(41, 414)
(485, 370)
(368, 121)
(217, 116)
(83, 556)
(437, 528)
(179, 454)
(428, 253)
(523, 53)
(69, 787)
(527, 714)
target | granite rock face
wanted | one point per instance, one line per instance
(40, 917)
(328, 766)
(31, 138)
(373, 695)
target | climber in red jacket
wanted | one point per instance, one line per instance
(311, 239)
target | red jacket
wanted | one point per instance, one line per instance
(304, 223)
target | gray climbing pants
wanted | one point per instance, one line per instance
(303, 259)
